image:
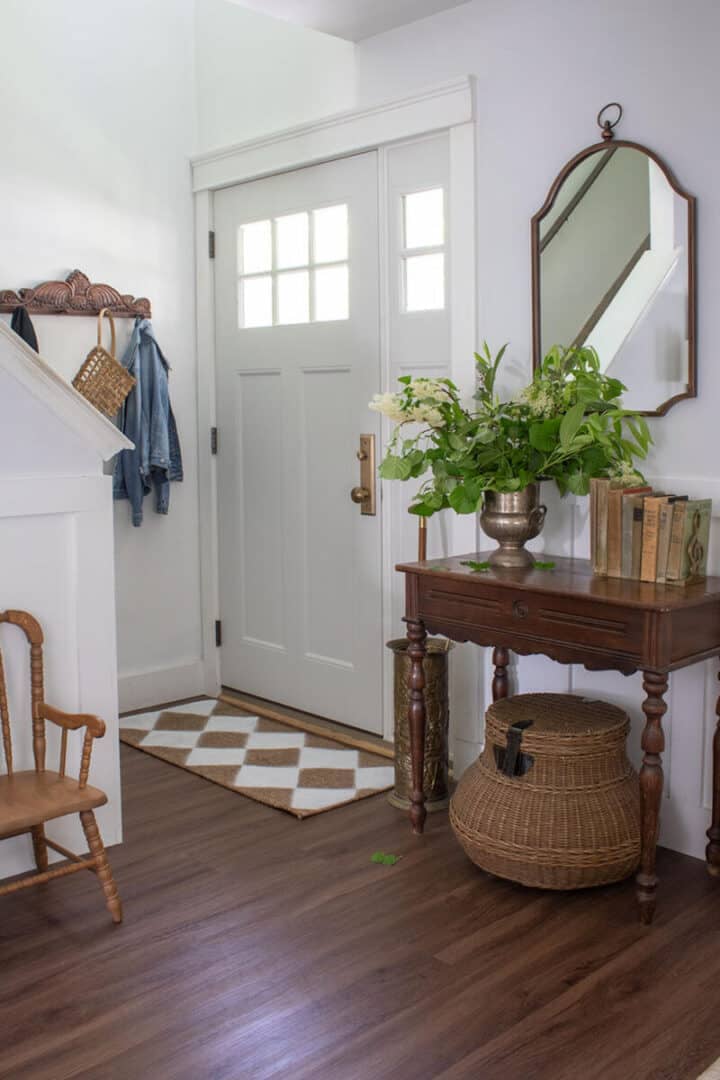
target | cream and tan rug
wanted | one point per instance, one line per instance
(300, 771)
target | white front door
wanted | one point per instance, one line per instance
(297, 340)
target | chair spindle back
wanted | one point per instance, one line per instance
(5, 720)
(33, 632)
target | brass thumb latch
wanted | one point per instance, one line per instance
(364, 494)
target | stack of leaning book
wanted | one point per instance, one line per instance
(648, 535)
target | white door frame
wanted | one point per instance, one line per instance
(448, 107)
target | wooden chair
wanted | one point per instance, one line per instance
(29, 799)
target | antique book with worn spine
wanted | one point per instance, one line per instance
(627, 525)
(632, 516)
(616, 496)
(651, 529)
(663, 546)
(593, 521)
(599, 487)
(687, 560)
(677, 531)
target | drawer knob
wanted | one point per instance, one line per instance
(519, 609)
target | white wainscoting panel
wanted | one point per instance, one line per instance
(56, 561)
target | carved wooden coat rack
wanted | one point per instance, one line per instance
(77, 295)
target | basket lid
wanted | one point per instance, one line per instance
(559, 722)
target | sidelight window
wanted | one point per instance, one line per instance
(422, 252)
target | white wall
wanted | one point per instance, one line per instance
(98, 99)
(543, 70)
(257, 74)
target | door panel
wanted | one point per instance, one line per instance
(297, 340)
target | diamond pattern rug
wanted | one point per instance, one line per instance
(274, 763)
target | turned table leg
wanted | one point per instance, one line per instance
(712, 851)
(417, 635)
(501, 659)
(651, 785)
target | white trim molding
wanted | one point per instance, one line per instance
(161, 685)
(435, 109)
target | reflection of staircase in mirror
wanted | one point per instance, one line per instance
(641, 338)
(586, 330)
(562, 210)
(593, 238)
(647, 279)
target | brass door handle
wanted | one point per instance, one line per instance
(364, 493)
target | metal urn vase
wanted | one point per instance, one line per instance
(512, 518)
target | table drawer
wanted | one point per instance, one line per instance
(567, 620)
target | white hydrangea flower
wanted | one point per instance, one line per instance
(539, 400)
(429, 388)
(427, 414)
(624, 474)
(389, 405)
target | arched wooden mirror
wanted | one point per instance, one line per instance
(613, 266)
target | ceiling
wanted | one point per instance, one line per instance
(350, 19)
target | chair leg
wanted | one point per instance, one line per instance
(40, 847)
(104, 873)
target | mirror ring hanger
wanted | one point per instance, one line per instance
(606, 126)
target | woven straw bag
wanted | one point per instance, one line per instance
(553, 801)
(102, 379)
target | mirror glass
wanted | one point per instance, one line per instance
(612, 258)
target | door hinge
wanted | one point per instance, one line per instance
(211, 243)
(213, 440)
(218, 633)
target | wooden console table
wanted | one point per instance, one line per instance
(575, 618)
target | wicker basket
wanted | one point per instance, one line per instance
(568, 816)
(102, 379)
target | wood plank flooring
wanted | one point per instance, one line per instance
(257, 946)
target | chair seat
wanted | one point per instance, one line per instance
(30, 798)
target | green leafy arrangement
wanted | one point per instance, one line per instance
(567, 426)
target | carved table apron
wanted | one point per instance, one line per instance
(574, 617)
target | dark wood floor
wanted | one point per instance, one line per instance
(258, 946)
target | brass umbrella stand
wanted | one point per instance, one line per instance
(435, 666)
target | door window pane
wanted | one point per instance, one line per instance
(256, 301)
(425, 282)
(293, 297)
(331, 293)
(330, 234)
(424, 215)
(291, 241)
(255, 248)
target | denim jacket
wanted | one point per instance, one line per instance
(147, 419)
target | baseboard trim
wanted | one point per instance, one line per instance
(143, 689)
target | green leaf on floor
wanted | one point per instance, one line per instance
(386, 860)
